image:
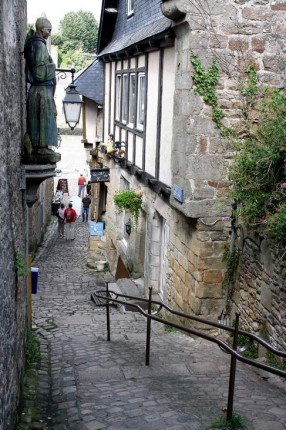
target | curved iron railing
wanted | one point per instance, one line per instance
(112, 297)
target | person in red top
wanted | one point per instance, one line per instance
(81, 185)
(70, 218)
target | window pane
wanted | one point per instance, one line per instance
(130, 6)
(141, 99)
(118, 97)
(124, 98)
(131, 98)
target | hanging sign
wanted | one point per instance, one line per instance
(63, 186)
(100, 174)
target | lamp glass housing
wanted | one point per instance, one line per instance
(128, 227)
(72, 106)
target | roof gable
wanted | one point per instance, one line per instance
(90, 82)
(147, 21)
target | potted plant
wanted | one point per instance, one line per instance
(130, 201)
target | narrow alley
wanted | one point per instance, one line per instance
(87, 383)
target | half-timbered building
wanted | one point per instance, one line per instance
(167, 251)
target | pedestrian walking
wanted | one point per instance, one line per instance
(70, 218)
(85, 207)
(81, 185)
(61, 220)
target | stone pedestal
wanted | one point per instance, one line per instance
(34, 174)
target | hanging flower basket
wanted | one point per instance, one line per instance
(130, 201)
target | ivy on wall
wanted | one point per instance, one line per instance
(258, 171)
(205, 85)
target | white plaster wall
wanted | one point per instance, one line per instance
(139, 151)
(130, 147)
(112, 96)
(123, 136)
(167, 116)
(116, 134)
(141, 61)
(90, 120)
(152, 105)
(106, 102)
(132, 63)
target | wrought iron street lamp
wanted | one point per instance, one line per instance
(72, 101)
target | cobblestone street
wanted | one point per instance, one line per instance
(87, 383)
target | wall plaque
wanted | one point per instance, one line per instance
(178, 193)
(96, 228)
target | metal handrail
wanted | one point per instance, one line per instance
(233, 351)
(191, 317)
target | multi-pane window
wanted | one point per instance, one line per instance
(130, 88)
(130, 7)
(141, 100)
(132, 99)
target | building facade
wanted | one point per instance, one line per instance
(166, 145)
(13, 210)
(178, 246)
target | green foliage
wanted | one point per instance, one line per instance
(251, 351)
(232, 260)
(237, 422)
(20, 264)
(73, 57)
(131, 201)
(76, 39)
(30, 30)
(33, 354)
(259, 168)
(206, 82)
(274, 362)
(250, 90)
(56, 39)
(258, 171)
(169, 329)
(81, 28)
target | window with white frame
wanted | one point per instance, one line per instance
(130, 89)
(130, 7)
(141, 100)
(132, 99)
(118, 97)
(125, 98)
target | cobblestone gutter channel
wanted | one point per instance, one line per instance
(87, 383)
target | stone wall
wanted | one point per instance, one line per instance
(260, 293)
(235, 33)
(193, 258)
(12, 208)
(40, 214)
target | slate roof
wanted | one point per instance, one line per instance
(146, 22)
(90, 82)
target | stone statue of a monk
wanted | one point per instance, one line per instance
(41, 109)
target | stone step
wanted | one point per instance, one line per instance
(130, 287)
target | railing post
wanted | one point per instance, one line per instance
(107, 313)
(232, 370)
(148, 335)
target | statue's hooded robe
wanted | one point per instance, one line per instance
(41, 111)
